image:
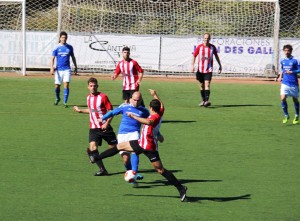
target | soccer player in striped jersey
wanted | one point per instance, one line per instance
(205, 52)
(132, 74)
(147, 144)
(62, 52)
(289, 83)
(98, 105)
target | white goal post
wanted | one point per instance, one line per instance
(12, 21)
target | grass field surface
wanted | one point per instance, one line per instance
(236, 157)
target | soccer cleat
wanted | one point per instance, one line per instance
(206, 104)
(182, 193)
(201, 104)
(65, 105)
(56, 101)
(101, 172)
(296, 120)
(285, 119)
(139, 177)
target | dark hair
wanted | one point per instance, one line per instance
(126, 49)
(92, 80)
(207, 34)
(63, 33)
(288, 47)
(155, 104)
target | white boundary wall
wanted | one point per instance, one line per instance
(155, 53)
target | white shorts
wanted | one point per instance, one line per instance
(127, 137)
(289, 91)
(62, 76)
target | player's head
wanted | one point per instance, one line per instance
(126, 53)
(63, 36)
(155, 105)
(206, 38)
(287, 49)
(92, 85)
(136, 99)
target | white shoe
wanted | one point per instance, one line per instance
(201, 104)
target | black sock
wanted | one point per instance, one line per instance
(172, 179)
(202, 95)
(95, 155)
(207, 93)
(109, 152)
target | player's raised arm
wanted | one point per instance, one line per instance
(155, 96)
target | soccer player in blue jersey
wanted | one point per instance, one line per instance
(129, 128)
(289, 83)
(62, 53)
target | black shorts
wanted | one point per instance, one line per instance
(153, 156)
(127, 94)
(97, 134)
(201, 77)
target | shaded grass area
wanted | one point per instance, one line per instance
(236, 157)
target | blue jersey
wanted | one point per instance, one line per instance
(128, 124)
(291, 64)
(62, 54)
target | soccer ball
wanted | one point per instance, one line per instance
(129, 176)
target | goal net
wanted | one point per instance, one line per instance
(12, 26)
(163, 33)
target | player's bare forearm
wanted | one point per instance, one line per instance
(140, 119)
(78, 110)
(75, 64)
(155, 96)
(114, 76)
(193, 65)
(141, 77)
(52, 65)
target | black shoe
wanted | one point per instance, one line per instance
(101, 173)
(182, 193)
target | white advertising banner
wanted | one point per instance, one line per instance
(237, 55)
(104, 51)
(39, 47)
(169, 54)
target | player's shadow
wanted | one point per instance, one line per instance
(144, 171)
(198, 199)
(240, 105)
(157, 183)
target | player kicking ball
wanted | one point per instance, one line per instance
(147, 144)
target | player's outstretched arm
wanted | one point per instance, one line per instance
(78, 110)
(140, 119)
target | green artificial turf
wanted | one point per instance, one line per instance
(236, 157)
